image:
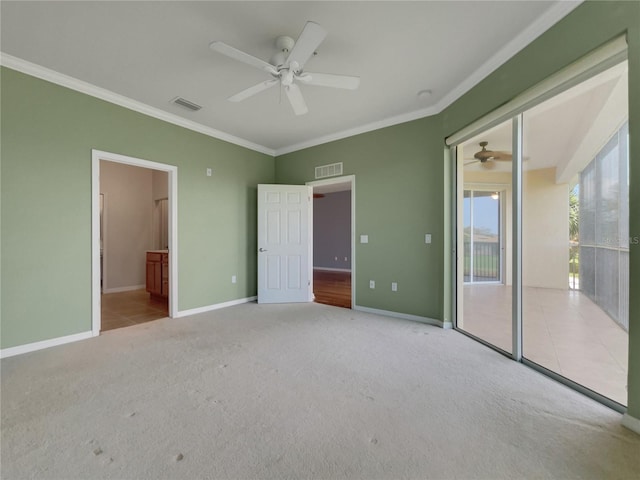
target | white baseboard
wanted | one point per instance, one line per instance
(405, 316)
(327, 269)
(124, 289)
(53, 342)
(208, 308)
(631, 423)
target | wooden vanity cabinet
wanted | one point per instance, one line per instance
(158, 274)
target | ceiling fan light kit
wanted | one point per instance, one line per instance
(286, 67)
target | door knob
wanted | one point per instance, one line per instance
(262, 249)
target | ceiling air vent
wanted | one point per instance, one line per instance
(329, 170)
(186, 104)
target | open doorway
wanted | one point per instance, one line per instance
(333, 241)
(133, 237)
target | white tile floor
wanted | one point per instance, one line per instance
(563, 330)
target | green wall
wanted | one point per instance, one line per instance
(401, 186)
(400, 173)
(47, 135)
(399, 198)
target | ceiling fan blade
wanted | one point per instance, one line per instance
(330, 80)
(502, 156)
(296, 99)
(243, 57)
(472, 162)
(311, 37)
(249, 92)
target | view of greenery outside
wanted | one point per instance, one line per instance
(574, 237)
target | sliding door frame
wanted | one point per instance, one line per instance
(516, 238)
(598, 61)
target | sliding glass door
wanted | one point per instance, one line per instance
(575, 240)
(543, 236)
(484, 187)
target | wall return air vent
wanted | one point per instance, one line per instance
(331, 170)
(186, 104)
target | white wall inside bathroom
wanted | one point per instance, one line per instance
(160, 209)
(128, 224)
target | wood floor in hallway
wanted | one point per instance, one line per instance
(332, 288)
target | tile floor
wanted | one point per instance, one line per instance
(563, 330)
(125, 309)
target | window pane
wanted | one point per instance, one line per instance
(576, 281)
(484, 290)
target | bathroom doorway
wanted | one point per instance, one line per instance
(127, 227)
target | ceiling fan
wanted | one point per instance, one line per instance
(286, 67)
(487, 157)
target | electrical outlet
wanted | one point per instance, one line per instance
(394, 287)
(335, 258)
(427, 238)
(372, 284)
(345, 259)
(364, 238)
(233, 279)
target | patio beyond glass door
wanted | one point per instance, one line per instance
(482, 242)
(483, 307)
(551, 220)
(575, 242)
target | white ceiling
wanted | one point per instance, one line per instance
(152, 52)
(557, 128)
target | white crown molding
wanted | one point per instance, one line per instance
(61, 79)
(332, 137)
(549, 18)
(554, 14)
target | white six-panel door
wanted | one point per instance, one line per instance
(285, 264)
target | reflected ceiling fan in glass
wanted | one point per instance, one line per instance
(487, 157)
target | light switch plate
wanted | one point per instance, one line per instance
(209, 172)
(372, 284)
(427, 238)
(364, 238)
(394, 287)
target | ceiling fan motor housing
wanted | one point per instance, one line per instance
(284, 45)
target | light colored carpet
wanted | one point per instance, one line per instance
(298, 391)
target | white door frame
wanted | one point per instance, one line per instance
(352, 180)
(172, 171)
